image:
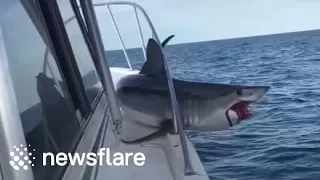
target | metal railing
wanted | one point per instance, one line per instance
(177, 120)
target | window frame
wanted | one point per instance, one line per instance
(86, 37)
(57, 36)
(64, 56)
(45, 14)
(87, 40)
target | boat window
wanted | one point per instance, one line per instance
(81, 51)
(47, 113)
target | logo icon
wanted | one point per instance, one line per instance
(20, 158)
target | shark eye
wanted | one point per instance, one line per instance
(239, 92)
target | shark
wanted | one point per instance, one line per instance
(204, 106)
(165, 42)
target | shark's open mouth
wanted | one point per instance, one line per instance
(241, 108)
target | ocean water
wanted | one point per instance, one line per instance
(282, 139)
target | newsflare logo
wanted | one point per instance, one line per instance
(20, 158)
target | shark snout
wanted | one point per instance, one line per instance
(239, 110)
(253, 93)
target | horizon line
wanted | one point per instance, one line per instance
(232, 38)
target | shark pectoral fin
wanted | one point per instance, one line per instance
(155, 59)
(165, 127)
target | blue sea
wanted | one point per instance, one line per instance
(282, 139)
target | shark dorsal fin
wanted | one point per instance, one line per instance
(154, 64)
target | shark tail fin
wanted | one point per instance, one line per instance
(165, 42)
(155, 59)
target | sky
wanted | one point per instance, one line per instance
(203, 20)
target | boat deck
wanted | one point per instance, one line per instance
(163, 160)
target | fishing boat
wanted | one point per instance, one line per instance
(59, 97)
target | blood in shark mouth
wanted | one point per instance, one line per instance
(241, 108)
